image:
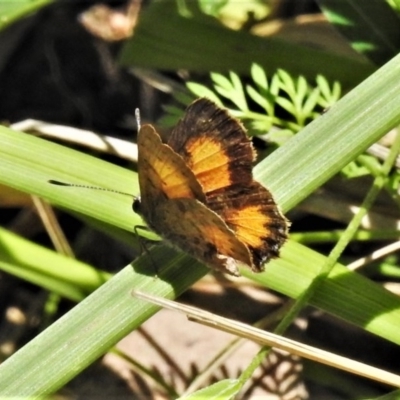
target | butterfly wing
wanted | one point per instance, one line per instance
(200, 232)
(216, 148)
(252, 214)
(162, 173)
(172, 205)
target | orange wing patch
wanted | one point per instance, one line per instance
(255, 218)
(198, 192)
(214, 146)
(248, 225)
(162, 172)
(208, 162)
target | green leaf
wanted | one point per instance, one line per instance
(275, 86)
(260, 100)
(301, 91)
(238, 98)
(287, 105)
(62, 275)
(287, 83)
(310, 102)
(222, 81)
(222, 390)
(12, 11)
(328, 96)
(259, 76)
(291, 173)
(372, 29)
(212, 7)
(203, 91)
(190, 43)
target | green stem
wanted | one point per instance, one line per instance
(335, 235)
(327, 267)
(344, 240)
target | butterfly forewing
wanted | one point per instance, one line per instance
(162, 172)
(214, 146)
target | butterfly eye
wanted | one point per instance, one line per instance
(136, 205)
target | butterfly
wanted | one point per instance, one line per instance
(198, 193)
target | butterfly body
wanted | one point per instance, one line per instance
(198, 193)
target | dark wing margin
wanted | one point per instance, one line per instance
(214, 146)
(253, 215)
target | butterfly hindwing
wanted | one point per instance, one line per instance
(200, 232)
(216, 148)
(255, 218)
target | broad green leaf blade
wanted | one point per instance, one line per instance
(345, 294)
(85, 333)
(165, 40)
(349, 127)
(292, 172)
(222, 390)
(12, 11)
(28, 163)
(62, 275)
(372, 27)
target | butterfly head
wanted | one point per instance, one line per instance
(136, 205)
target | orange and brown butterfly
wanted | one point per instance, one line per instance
(197, 191)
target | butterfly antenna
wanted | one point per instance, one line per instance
(137, 117)
(59, 183)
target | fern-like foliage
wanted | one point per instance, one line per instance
(277, 107)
